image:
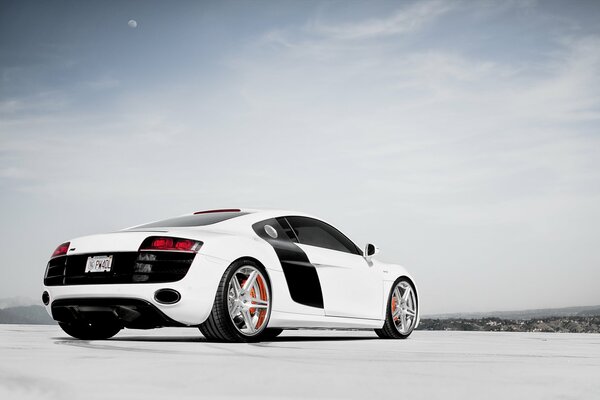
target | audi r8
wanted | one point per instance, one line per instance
(237, 275)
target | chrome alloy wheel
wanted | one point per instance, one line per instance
(248, 300)
(404, 307)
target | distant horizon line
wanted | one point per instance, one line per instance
(20, 301)
(526, 310)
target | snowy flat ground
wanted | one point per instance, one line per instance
(40, 362)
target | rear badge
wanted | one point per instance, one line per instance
(271, 231)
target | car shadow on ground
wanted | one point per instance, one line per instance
(282, 339)
(320, 338)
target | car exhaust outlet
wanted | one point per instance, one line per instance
(46, 298)
(167, 296)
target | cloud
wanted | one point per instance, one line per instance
(463, 137)
(14, 173)
(104, 83)
(11, 106)
(410, 18)
(572, 91)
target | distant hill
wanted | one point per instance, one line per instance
(18, 301)
(583, 311)
(35, 315)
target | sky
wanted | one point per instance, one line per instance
(462, 138)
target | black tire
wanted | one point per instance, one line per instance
(219, 327)
(90, 331)
(389, 330)
(271, 333)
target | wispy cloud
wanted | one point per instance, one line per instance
(14, 173)
(104, 83)
(11, 106)
(409, 18)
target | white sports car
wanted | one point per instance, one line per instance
(237, 275)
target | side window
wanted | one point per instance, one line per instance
(289, 232)
(274, 229)
(317, 233)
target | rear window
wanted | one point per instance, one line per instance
(193, 220)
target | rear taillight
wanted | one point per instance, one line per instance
(170, 244)
(61, 250)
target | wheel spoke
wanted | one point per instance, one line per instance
(233, 310)
(397, 294)
(250, 281)
(236, 285)
(406, 294)
(404, 324)
(259, 301)
(248, 320)
(252, 305)
(411, 313)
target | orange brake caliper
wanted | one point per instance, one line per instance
(263, 296)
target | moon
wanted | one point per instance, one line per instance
(132, 23)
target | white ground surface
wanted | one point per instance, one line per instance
(40, 362)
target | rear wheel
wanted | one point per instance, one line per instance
(89, 331)
(242, 305)
(402, 310)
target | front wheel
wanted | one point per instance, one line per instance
(242, 305)
(89, 331)
(402, 311)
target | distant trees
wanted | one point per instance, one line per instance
(550, 324)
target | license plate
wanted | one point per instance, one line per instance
(98, 264)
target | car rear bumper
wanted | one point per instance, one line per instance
(197, 290)
(125, 312)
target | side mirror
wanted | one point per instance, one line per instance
(371, 250)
